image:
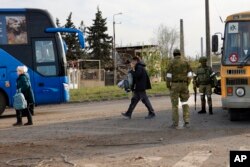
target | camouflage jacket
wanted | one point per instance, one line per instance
(179, 69)
(204, 76)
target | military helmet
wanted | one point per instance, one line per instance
(177, 52)
(202, 59)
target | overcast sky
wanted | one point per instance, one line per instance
(141, 18)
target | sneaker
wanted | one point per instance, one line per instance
(18, 124)
(186, 125)
(150, 116)
(28, 123)
(126, 115)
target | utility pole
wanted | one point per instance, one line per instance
(202, 47)
(208, 51)
(114, 49)
(182, 38)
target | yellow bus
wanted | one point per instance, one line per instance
(235, 64)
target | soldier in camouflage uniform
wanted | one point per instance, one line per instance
(204, 79)
(179, 75)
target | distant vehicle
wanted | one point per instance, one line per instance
(235, 64)
(30, 37)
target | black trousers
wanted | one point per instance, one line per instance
(137, 96)
(26, 112)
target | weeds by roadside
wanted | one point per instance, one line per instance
(112, 93)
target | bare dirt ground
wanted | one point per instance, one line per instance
(96, 135)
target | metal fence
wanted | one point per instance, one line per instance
(79, 78)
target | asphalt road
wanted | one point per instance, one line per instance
(96, 135)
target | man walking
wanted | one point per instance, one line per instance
(179, 75)
(205, 79)
(141, 83)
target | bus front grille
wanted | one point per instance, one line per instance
(237, 81)
(236, 71)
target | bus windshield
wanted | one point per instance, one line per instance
(237, 44)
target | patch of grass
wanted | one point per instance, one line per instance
(112, 93)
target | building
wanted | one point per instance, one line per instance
(127, 53)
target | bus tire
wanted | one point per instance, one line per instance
(234, 115)
(3, 103)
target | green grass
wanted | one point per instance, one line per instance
(115, 93)
(112, 93)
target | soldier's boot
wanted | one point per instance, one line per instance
(186, 116)
(203, 105)
(209, 101)
(210, 110)
(175, 117)
(203, 108)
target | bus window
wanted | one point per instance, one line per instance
(45, 58)
(47, 70)
(44, 51)
(237, 42)
(246, 42)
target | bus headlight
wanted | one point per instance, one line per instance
(240, 92)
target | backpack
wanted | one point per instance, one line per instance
(19, 101)
(203, 76)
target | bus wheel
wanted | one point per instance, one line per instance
(3, 103)
(234, 115)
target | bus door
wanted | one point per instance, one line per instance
(48, 85)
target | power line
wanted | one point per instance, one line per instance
(217, 10)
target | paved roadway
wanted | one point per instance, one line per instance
(101, 137)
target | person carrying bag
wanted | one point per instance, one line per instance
(24, 87)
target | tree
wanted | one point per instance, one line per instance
(152, 58)
(166, 39)
(99, 42)
(74, 50)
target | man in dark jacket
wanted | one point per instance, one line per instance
(141, 82)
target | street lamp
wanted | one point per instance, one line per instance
(114, 50)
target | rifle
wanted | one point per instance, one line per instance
(195, 92)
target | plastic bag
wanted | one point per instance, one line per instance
(127, 83)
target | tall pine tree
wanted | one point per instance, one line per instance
(100, 43)
(74, 50)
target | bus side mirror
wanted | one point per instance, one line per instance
(69, 30)
(215, 43)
